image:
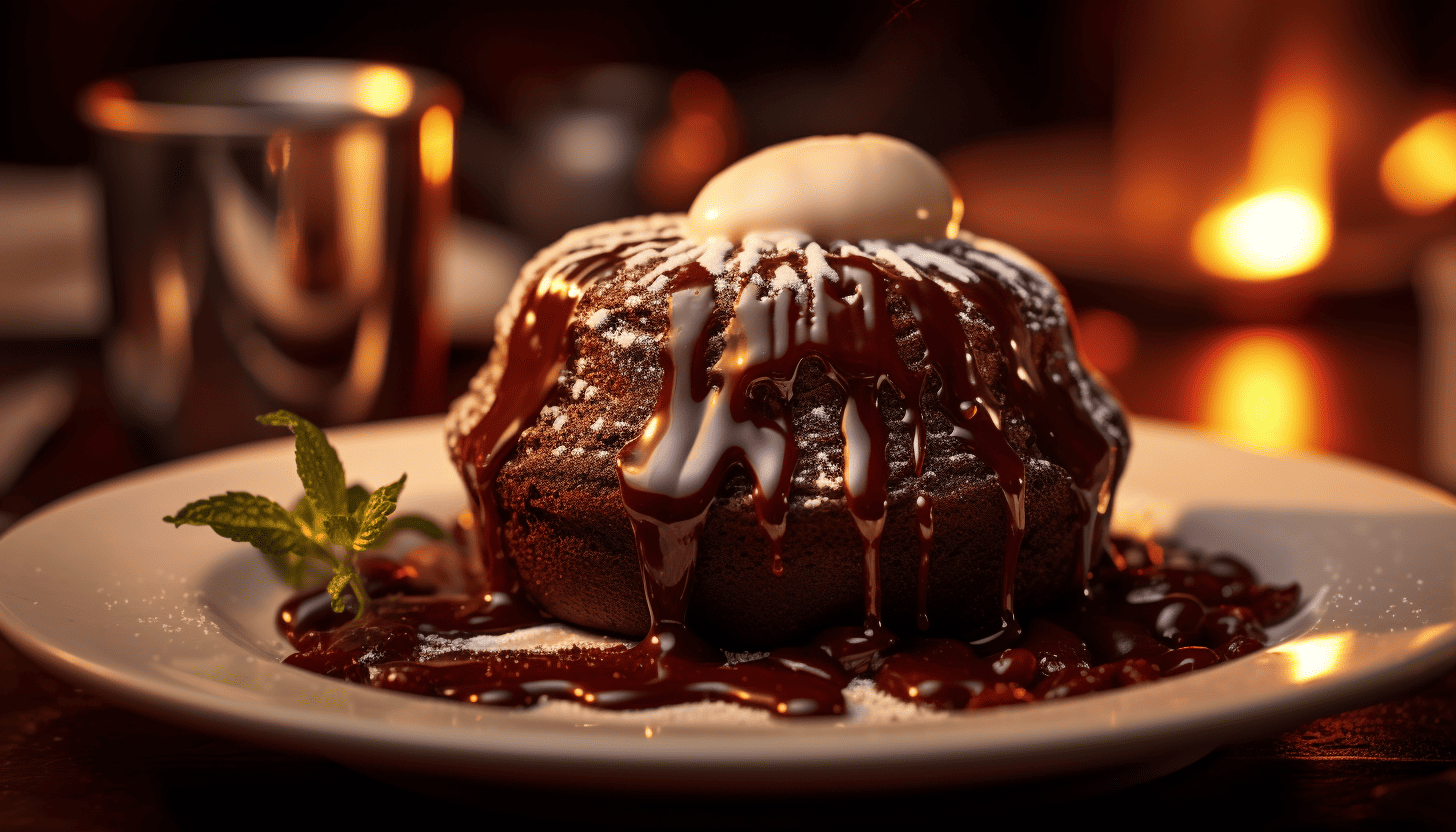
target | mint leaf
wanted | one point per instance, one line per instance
(375, 512)
(248, 518)
(318, 465)
(341, 529)
(309, 521)
(356, 496)
(330, 523)
(337, 585)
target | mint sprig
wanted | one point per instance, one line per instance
(332, 523)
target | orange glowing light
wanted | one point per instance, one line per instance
(173, 306)
(1278, 222)
(1418, 171)
(280, 149)
(111, 104)
(383, 91)
(698, 144)
(1265, 237)
(1262, 388)
(698, 139)
(437, 145)
(359, 157)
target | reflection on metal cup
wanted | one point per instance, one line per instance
(272, 229)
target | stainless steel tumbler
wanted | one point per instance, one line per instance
(272, 227)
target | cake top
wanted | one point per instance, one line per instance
(830, 188)
(648, 251)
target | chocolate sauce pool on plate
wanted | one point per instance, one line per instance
(1137, 624)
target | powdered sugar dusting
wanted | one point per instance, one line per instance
(640, 236)
(786, 278)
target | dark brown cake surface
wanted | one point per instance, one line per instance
(560, 492)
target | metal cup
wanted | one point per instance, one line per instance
(272, 227)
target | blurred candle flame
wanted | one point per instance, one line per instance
(1278, 223)
(383, 91)
(437, 145)
(1418, 171)
(1265, 237)
(1262, 387)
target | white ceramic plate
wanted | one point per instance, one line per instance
(177, 624)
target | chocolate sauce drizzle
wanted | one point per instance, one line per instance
(709, 420)
(1142, 620)
(537, 348)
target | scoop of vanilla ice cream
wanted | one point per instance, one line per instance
(831, 188)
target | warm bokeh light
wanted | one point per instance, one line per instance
(1313, 656)
(1418, 171)
(279, 150)
(588, 145)
(1107, 339)
(1278, 223)
(367, 365)
(111, 105)
(359, 158)
(697, 144)
(173, 306)
(1266, 237)
(1426, 635)
(1262, 387)
(383, 91)
(437, 145)
(698, 140)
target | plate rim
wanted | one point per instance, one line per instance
(928, 751)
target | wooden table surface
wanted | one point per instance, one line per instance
(68, 760)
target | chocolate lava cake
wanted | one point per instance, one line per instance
(559, 492)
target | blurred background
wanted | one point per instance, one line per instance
(1249, 202)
